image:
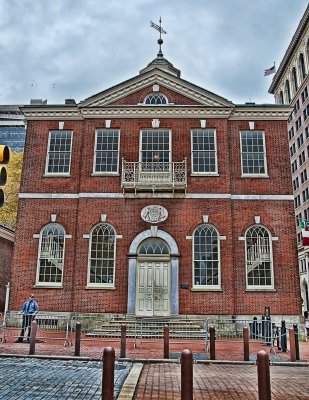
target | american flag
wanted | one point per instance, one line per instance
(157, 27)
(270, 71)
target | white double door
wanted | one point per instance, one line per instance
(153, 288)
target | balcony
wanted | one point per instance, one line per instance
(154, 176)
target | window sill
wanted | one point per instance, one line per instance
(47, 286)
(105, 174)
(254, 176)
(206, 289)
(261, 290)
(57, 176)
(202, 175)
(100, 287)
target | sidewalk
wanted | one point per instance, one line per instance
(152, 378)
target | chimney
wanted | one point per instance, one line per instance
(70, 102)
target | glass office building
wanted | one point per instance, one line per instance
(12, 127)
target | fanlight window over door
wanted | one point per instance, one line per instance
(51, 255)
(154, 247)
(259, 258)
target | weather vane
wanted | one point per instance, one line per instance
(161, 30)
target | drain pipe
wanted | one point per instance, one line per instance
(6, 305)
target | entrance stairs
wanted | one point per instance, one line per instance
(150, 328)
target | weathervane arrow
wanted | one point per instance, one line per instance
(157, 27)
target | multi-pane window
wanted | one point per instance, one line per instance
(287, 92)
(294, 78)
(302, 158)
(295, 183)
(253, 154)
(294, 166)
(204, 152)
(102, 256)
(155, 99)
(51, 255)
(292, 150)
(206, 253)
(300, 140)
(305, 194)
(259, 258)
(59, 152)
(155, 150)
(306, 112)
(304, 94)
(298, 123)
(303, 176)
(106, 151)
(297, 201)
(302, 66)
(291, 133)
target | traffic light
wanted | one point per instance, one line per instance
(4, 159)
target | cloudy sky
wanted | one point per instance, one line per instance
(75, 48)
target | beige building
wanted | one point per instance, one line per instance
(291, 86)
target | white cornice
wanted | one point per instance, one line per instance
(227, 196)
(235, 113)
(7, 234)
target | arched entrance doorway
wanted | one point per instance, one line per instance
(153, 275)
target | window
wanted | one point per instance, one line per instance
(302, 66)
(291, 133)
(155, 150)
(295, 183)
(156, 99)
(292, 150)
(294, 166)
(297, 201)
(306, 112)
(302, 158)
(281, 99)
(304, 94)
(300, 140)
(298, 123)
(106, 151)
(305, 194)
(287, 92)
(253, 154)
(102, 256)
(303, 176)
(296, 107)
(294, 79)
(206, 262)
(59, 153)
(307, 132)
(154, 247)
(51, 255)
(204, 152)
(259, 258)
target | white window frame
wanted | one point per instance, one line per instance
(253, 175)
(49, 284)
(59, 174)
(206, 287)
(155, 130)
(260, 287)
(101, 173)
(156, 94)
(214, 173)
(91, 285)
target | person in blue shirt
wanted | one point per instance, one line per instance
(28, 310)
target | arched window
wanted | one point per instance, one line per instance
(102, 256)
(51, 255)
(206, 257)
(302, 66)
(281, 99)
(287, 92)
(154, 247)
(294, 79)
(156, 99)
(259, 258)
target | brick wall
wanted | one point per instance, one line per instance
(6, 252)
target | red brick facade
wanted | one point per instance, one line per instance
(6, 254)
(230, 201)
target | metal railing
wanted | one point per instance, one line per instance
(153, 175)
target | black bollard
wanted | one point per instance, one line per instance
(263, 373)
(123, 342)
(212, 342)
(295, 327)
(283, 337)
(78, 329)
(108, 373)
(186, 375)
(34, 328)
(166, 334)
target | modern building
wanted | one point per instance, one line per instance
(291, 86)
(12, 127)
(155, 198)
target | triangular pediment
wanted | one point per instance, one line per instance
(133, 91)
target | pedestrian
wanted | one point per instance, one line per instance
(28, 310)
(307, 324)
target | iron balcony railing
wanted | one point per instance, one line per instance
(154, 175)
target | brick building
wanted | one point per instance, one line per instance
(156, 197)
(6, 254)
(291, 86)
